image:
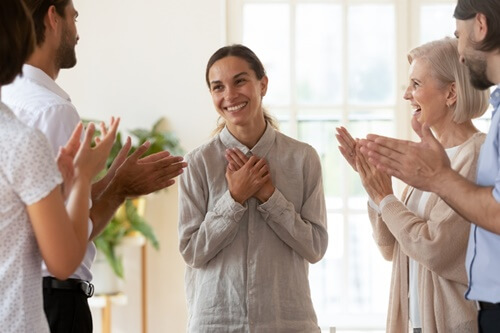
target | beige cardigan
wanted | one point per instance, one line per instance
(438, 242)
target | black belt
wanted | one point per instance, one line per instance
(83, 286)
(488, 306)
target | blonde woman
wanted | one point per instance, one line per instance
(425, 238)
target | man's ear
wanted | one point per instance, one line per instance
(52, 18)
(480, 27)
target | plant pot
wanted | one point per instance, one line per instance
(105, 281)
(104, 278)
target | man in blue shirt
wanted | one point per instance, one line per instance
(426, 166)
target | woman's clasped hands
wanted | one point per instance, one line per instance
(377, 184)
(248, 177)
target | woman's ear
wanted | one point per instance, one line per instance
(263, 85)
(451, 98)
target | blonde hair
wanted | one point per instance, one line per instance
(444, 60)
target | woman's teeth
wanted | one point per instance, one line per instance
(236, 107)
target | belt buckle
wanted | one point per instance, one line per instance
(87, 288)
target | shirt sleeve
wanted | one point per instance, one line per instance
(381, 234)
(496, 187)
(57, 123)
(304, 232)
(31, 169)
(203, 233)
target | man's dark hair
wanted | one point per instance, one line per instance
(39, 9)
(467, 9)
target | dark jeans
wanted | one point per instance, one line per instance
(489, 320)
(67, 311)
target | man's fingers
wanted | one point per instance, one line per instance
(155, 157)
(389, 148)
(383, 142)
(122, 154)
(387, 158)
(140, 151)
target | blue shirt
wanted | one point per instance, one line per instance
(483, 252)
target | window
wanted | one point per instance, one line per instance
(332, 63)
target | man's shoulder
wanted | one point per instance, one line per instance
(30, 101)
(29, 93)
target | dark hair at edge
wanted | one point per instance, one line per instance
(17, 39)
(39, 9)
(467, 9)
(243, 52)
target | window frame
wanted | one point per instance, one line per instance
(407, 36)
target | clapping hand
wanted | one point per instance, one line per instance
(65, 158)
(89, 160)
(134, 176)
(347, 146)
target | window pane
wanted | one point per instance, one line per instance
(360, 124)
(321, 135)
(371, 47)
(369, 295)
(436, 22)
(266, 31)
(319, 52)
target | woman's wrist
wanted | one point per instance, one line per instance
(265, 193)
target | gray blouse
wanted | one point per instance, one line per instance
(248, 264)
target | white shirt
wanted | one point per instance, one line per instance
(28, 173)
(248, 264)
(40, 103)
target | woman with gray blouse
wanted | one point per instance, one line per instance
(252, 212)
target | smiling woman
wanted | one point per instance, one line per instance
(249, 80)
(429, 278)
(252, 212)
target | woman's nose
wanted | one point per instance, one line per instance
(231, 93)
(407, 94)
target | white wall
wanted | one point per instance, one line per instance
(142, 60)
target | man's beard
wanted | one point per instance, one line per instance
(477, 72)
(66, 55)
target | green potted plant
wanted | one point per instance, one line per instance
(127, 221)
